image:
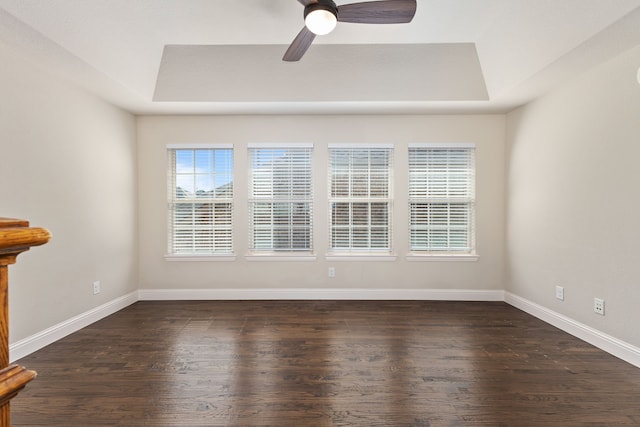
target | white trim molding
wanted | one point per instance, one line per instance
(442, 145)
(280, 145)
(357, 258)
(442, 258)
(611, 345)
(189, 146)
(199, 258)
(35, 342)
(321, 294)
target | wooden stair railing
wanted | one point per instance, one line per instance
(15, 237)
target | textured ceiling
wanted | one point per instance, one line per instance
(215, 56)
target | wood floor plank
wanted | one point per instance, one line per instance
(325, 363)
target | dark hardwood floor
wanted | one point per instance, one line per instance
(325, 363)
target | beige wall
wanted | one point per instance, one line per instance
(154, 133)
(574, 198)
(67, 163)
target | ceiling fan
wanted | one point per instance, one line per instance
(321, 17)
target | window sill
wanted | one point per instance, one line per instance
(281, 257)
(360, 257)
(442, 257)
(199, 258)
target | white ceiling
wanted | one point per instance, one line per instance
(224, 56)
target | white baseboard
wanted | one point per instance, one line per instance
(611, 345)
(50, 335)
(321, 294)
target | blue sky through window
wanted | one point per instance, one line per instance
(203, 170)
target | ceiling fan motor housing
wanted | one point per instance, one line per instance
(327, 5)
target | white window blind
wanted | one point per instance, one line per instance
(442, 198)
(200, 199)
(360, 198)
(280, 199)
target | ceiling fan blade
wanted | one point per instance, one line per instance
(306, 3)
(299, 45)
(378, 12)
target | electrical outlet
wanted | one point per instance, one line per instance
(332, 272)
(598, 306)
(560, 293)
(96, 287)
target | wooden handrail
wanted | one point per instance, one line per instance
(15, 237)
(12, 380)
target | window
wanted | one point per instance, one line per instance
(442, 198)
(200, 196)
(280, 198)
(360, 198)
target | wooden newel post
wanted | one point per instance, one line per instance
(15, 237)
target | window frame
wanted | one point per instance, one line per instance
(448, 253)
(215, 254)
(265, 196)
(351, 252)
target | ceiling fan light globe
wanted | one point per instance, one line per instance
(320, 21)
